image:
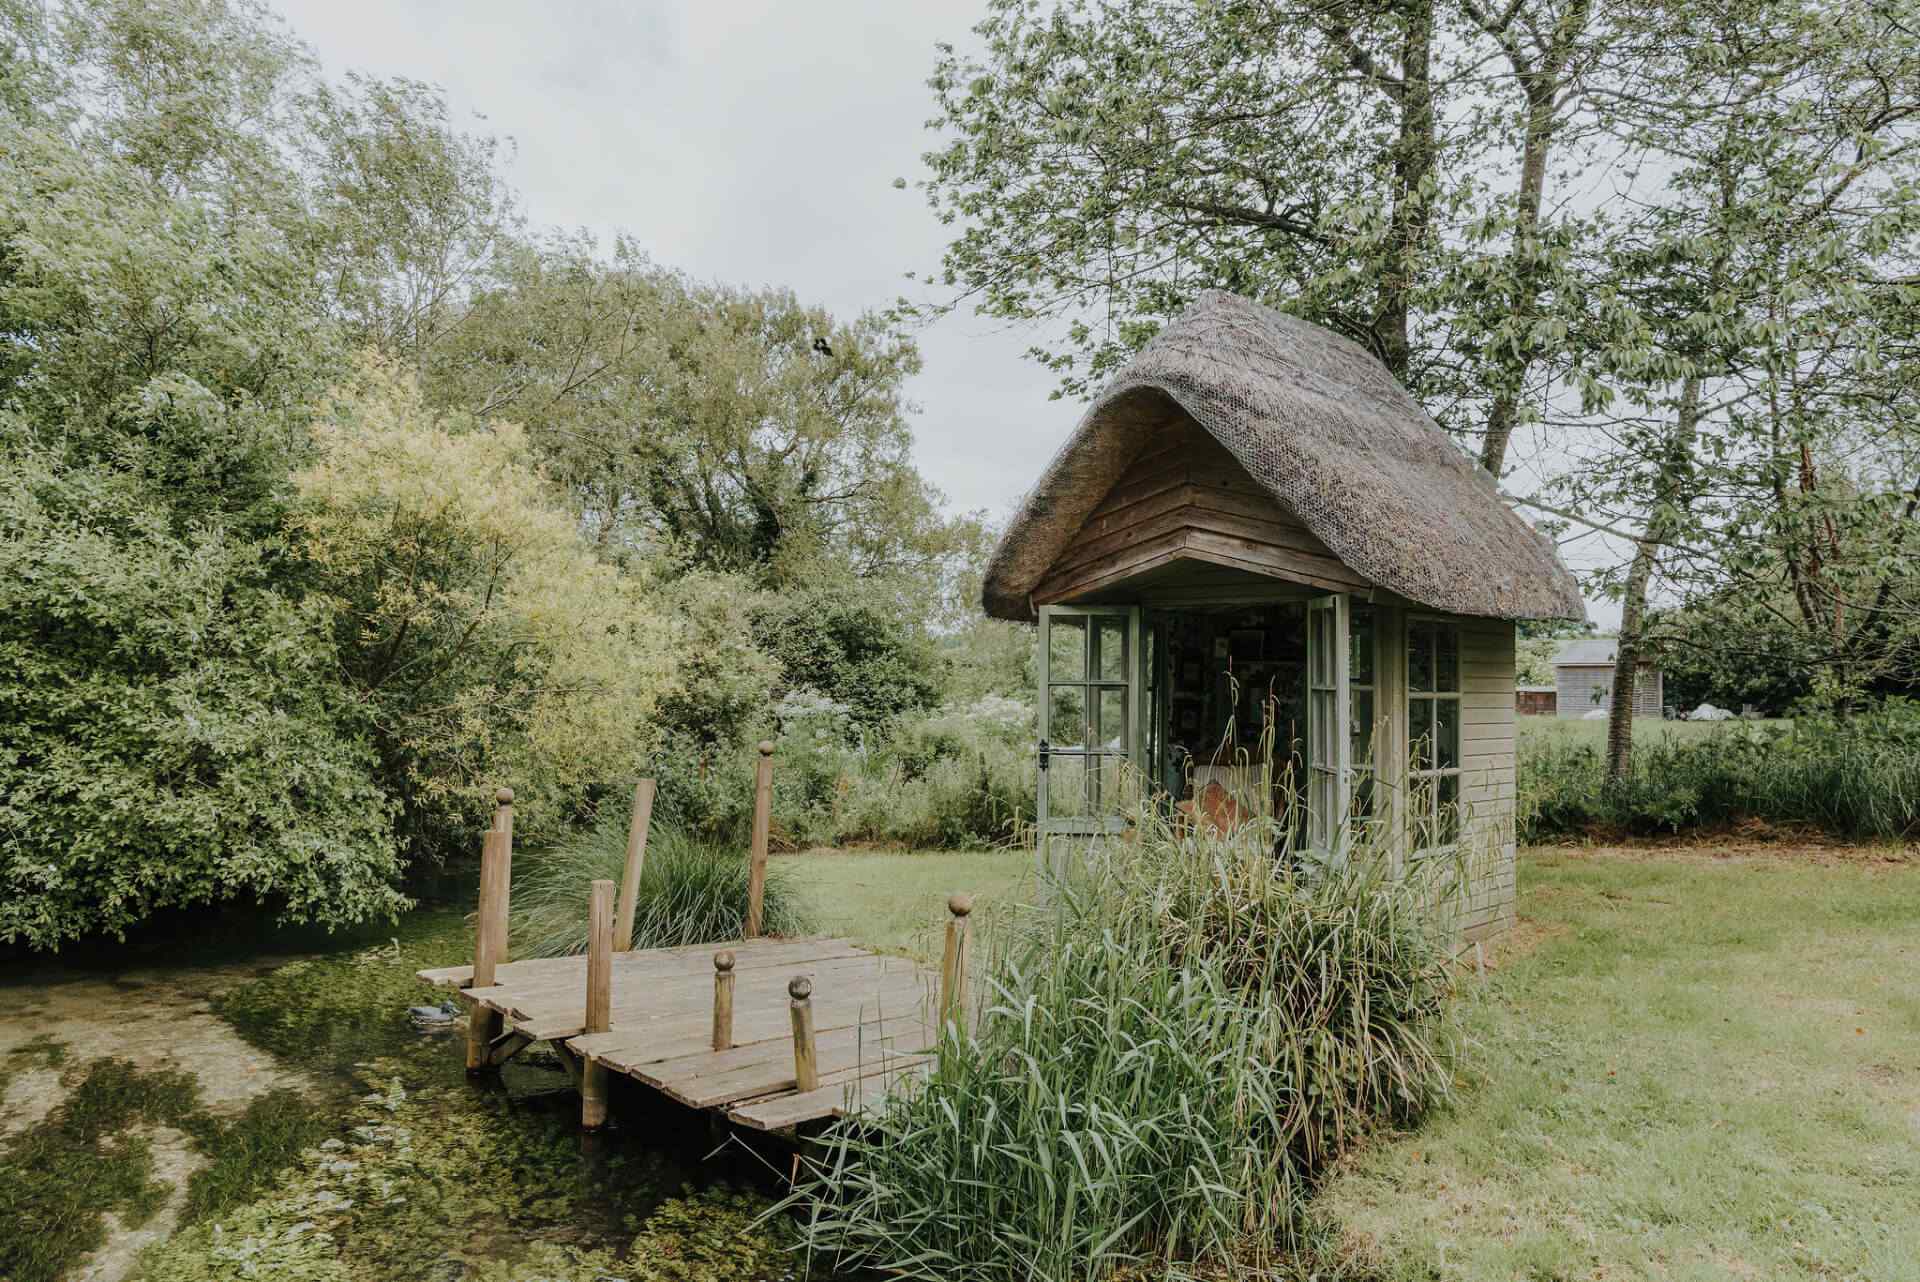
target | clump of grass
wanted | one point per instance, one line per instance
(1856, 776)
(691, 891)
(1168, 1057)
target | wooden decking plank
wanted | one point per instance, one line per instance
(691, 1081)
(840, 1099)
(557, 1006)
(688, 958)
(656, 1004)
(671, 1035)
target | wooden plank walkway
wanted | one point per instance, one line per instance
(769, 1033)
(873, 1018)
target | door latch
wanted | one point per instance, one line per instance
(1045, 752)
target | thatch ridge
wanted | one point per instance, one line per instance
(1330, 434)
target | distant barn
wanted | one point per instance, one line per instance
(1583, 680)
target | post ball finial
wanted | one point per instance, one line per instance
(800, 988)
(723, 960)
(504, 796)
(959, 904)
(766, 747)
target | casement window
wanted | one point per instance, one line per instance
(1433, 732)
(1360, 710)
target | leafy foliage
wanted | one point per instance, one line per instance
(1853, 776)
(1164, 1064)
(875, 664)
(484, 639)
(171, 732)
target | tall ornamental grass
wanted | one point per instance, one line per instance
(691, 891)
(1855, 777)
(1166, 1059)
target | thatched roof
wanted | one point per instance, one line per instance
(1328, 432)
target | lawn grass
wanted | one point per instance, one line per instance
(897, 902)
(1703, 1069)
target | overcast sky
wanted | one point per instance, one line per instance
(742, 141)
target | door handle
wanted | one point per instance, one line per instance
(1045, 751)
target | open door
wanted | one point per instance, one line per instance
(1091, 727)
(1329, 714)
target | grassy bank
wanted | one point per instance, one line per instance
(1703, 1069)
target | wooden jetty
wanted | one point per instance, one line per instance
(767, 1033)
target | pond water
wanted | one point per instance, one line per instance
(280, 1114)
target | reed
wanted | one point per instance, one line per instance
(691, 891)
(1165, 1059)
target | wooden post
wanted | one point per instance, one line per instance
(723, 1000)
(593, 1081)
(953, 966)
(806, 1060)
(762, 826)
(490, 928)
(637, 826)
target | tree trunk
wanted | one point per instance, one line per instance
(1415, 151)
(1626, 661)
(1669, 502)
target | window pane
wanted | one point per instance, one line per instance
(1448, 809)
(1322, 647)
(1420, 732)
(1067, 650)
(1446, 658)
(1420, 656)
(1446, 733)
(1110, 653)
(1067, 716)
(1110, 728)
(1322, 716)
(1066, 787)
(1361, 731)
(1360, 646)
(1362, 794)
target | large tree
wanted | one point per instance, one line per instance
(1763, 439)
(1384, 169)
(732, 430)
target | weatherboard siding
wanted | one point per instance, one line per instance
(1487, 781)
(1187, 498)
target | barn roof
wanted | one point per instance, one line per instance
(1595, 652)
(1327, 431)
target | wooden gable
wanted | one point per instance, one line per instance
(1186, 498)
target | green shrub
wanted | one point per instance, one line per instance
(171, 733)
(691, 891)
(961, 778)
(871, 660)
(1856, 776)
(1166, 1060)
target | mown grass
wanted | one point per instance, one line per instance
(897, 902)
(1704, 1069)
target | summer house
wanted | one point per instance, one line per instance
(1255, 548)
